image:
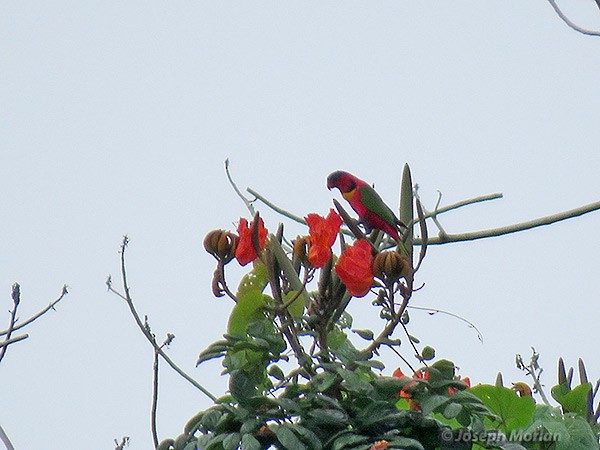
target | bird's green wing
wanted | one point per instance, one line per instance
(373, 202)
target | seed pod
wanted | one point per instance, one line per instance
(221, 244)
(389, 265)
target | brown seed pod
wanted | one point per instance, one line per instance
(221, 244)
(390, 265)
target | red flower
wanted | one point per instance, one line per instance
(465, 380)
(323, 232)
(245, 251)
(404, 393)
(355, 268)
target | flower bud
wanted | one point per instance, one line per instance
(300, 250)
(221, 244)
(390, 265)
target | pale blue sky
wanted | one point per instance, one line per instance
(116, 117)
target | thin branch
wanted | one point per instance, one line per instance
(247, 202)
(276, 208)
(12, 340)
(145, 332)
(40, 313)
(154, 408)
(448, 313)
(124, 443)
(572, 24)
(514, 228)
(154, 400)
(460, 204)
(4, 438)
(16, 297)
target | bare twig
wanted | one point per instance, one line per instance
(247, 202)
(534, 370)
(5, 440)
(514, 228)
(154, 408)
(572, 24)
(124, 443)
(448, 313)
(460, 204)
(16, 298)
(13, 340)
(127, 297)
(154, 400)
(40, 313)
(276, 208)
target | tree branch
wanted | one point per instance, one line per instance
(572, 24)
(4, 438)
(514, 228)
(145, 331)
(247, 202)
(40, 313)
(7, 342)
(16, 297)
(154, 408)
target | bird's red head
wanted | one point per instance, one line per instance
(344, 181)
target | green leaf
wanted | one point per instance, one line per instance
(365, 334)
(249, 442)
(241, 385)
(452, 410)
(276, 372)
(307, 436)
(288, 438)
(433, 403)
(347, 440)
(514, 411)
(576, 400)
(326, 417)
(231, 441)
(251, 425)
(255, 280)
(405, 443)
(247, 309)
(428, 353)
(296, 308)
(323, 381)
(568, 431)
(389, 386)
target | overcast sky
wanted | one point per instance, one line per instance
(116, 118)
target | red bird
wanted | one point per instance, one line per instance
(372, 210)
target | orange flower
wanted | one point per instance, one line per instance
(245, 251)
(379, 445)
(323, 232)
(355, 268)
(405, 393)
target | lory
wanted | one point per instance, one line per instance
(373, 212)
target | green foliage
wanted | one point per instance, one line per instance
(300, 378)
(512, 412)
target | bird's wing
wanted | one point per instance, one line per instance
(373, 202)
